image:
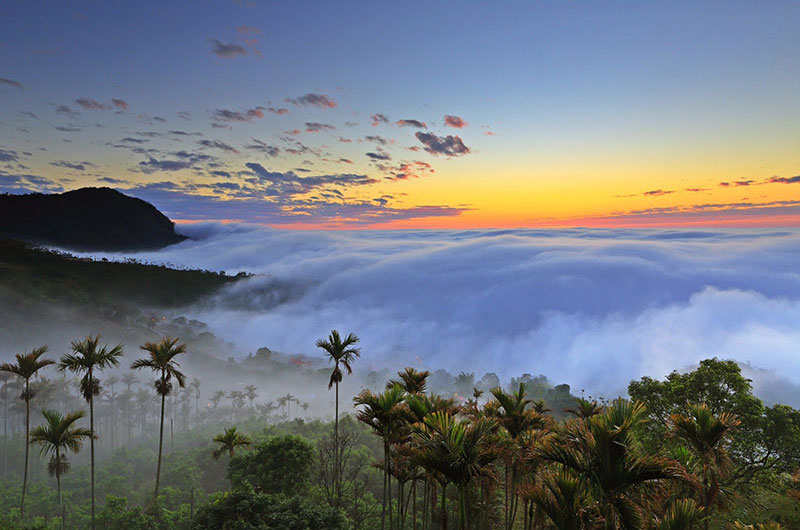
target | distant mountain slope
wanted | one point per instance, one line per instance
(86, 219)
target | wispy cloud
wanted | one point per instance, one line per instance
(11, 82)
(314, 127)
(412, 123)
(226, 50)
(91, 104)
(456, 122)
(442, 145)
(378, 119)
(315, 100)
(227, 115)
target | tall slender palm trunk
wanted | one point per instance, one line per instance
(27, 431)
(337, 479)
(160, 446)
(58, 485)
(91, 440)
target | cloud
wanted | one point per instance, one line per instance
(316, 100)
(289, 183)
(247, 115)
(737, 183)
(785, 180)
(415, 169)
(11, 82)
(313, 127)
(442, 145)
(657, 193)
(222, 49)
(263, 147)
(23, 183)
(377, 139)
(279, 111)
(378, 119)
(379, 156)
(66, 111)
(454, 121)
(248, 30)
(592, 308)
(218, 144)
(77, 166)
(91, 104)
(411, 123)
(121, 104)
(181, 160)
(29, 114)
(8, 155)
(185, 115)
(64, 128)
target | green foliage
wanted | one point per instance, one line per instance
(282, 464)
(247, 509)
(767, 440)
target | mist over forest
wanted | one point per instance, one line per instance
(592, 308)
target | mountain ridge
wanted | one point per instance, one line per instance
(86, 219)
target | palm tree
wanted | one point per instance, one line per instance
(413, 381)
(86, 357)
(27, 365)
(56, 436)
(251, 392)
(563, 498)
(456, 452)
(603, 450)
(196, 386)
(381, 412)
(706, 434)
(218, 395)
(229, 441)
(512, 413)
(341, 353)
(161, 360)
(681, 515)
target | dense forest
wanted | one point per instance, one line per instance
(107, 436)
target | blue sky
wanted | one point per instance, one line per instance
(568, 107)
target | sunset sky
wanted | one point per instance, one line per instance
(410, 114)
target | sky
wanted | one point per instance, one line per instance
(410, 114)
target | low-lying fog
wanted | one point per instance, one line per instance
(592, 308)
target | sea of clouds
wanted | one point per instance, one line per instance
(592, 308)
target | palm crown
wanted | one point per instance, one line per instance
(229, 441)
(86, 356)
(58, 433)
(162, 359)
(341, 352)
(27, 364)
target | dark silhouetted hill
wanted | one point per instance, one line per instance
(86, 219)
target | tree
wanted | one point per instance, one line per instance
(767, 439)
(456, 452)
(512, 413)
(229, 441)
(603, 450)
(382, 413)
(161, 360)
(248, 509)
(413, 381)
(196, 386)
(281, 465)
(27, 365)
(341, 353)
(86, 357)
(707, 434)
(57, 436)
(216, 397)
